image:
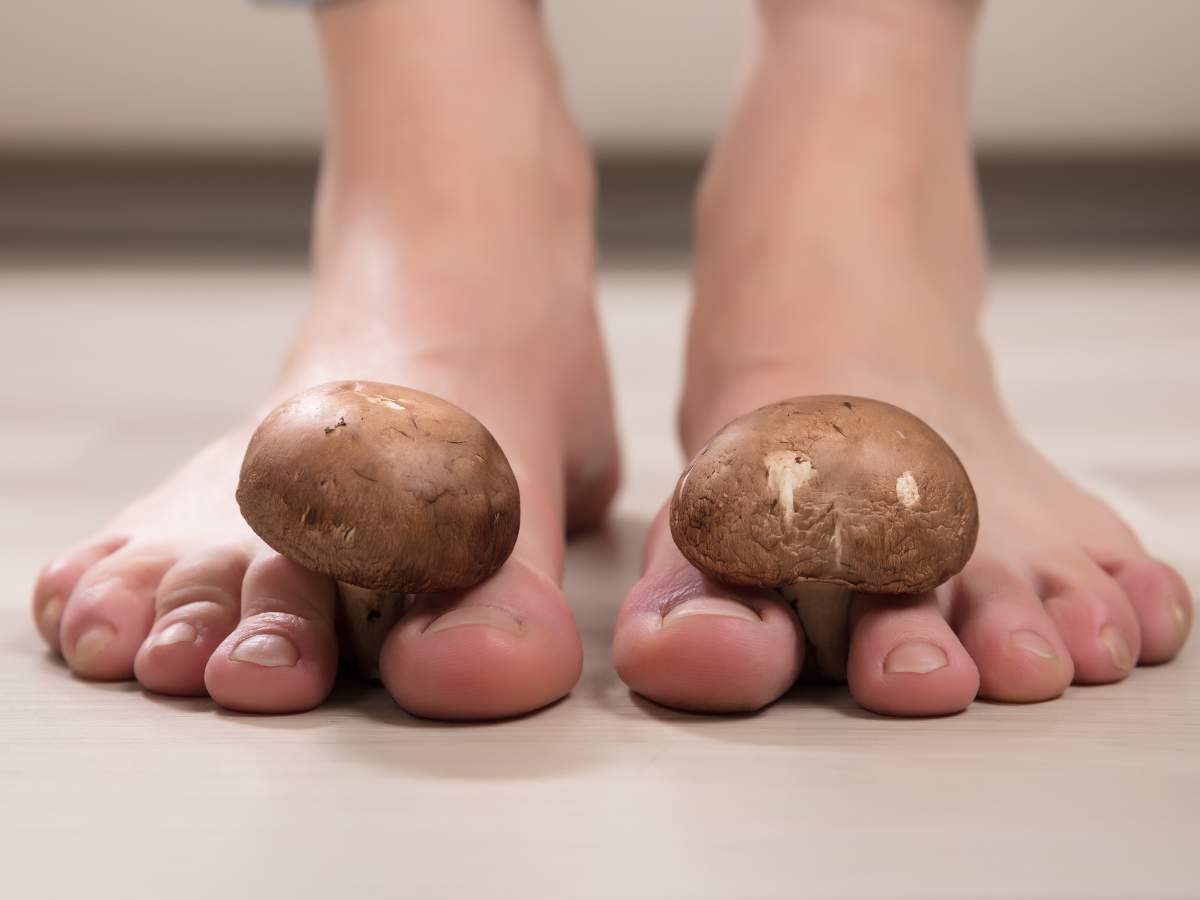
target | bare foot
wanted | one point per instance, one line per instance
(840, 251)
(452, 254)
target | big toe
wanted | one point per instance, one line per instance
(504, 647)
(687, 642)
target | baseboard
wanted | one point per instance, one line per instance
(262, 205)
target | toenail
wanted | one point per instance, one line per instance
(710, 606)
(1118, 647)
(495, 616)
(52, 613)
(177, 633)
(1179, 607)
(92, 643)
(915, 658)
(270, 650)
(1032, 642)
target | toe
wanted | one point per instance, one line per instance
(505, 647)
(1094, 618)
(1002, 623)
(282, 656)
(1160, 600)
(197, 606)
(58, 579)
(687, 642)
(904, 658)
(109, 613)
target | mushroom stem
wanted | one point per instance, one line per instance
(367, 617)
(824, 610)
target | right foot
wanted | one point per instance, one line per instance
(458, 264)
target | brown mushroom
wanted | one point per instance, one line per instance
(819, 497)
(386, 489)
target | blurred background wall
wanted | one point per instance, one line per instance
(151, 122)
(1100, 77)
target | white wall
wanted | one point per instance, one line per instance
(199, 75)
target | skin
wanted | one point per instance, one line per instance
(840, 204)
(388, 490)
(817, 497)
(412, 239)
(848, 144)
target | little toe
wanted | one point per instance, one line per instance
(687, 642)
(1095, 619)
(904, 658)
(502, 648)
(1160, 600)
(282, 656)
(57, 580)
(110, 611)
(197, 606)
(1001, 621)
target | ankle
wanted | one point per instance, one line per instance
(884, 83)
(838, 224)
(444, 111)
(438, 204)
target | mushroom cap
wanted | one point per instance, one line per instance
(835, 489)
(382, 487)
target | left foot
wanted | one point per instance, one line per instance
(861, 272)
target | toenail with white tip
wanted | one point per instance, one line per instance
(269, 650)
(92, 643)
(1118, 647)
(1032, 642)
(915, 658)
(51, 613)
(176, 633)
(710, 606)
(494, 616)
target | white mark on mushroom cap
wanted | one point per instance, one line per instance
(906, 490)
(384, 401)
(360, 388)
(787, 471)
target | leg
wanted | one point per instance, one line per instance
(840, 250)
(452, 253)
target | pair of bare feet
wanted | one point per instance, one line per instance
(839, 249)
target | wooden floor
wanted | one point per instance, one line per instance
(114, 371)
